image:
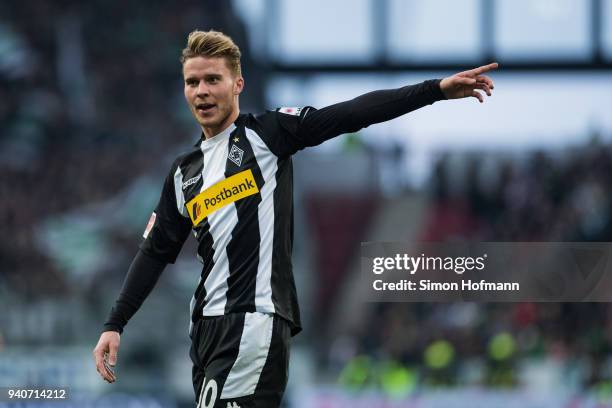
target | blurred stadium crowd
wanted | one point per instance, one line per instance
(539, 196)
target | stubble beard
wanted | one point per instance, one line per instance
(214, 122)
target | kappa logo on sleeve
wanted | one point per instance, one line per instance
(219, 195)
(191, 181)
(294, 110)
(149, 225)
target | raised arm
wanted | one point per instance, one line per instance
(365, 110)
(303, 127)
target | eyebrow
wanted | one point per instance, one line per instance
(192, 77)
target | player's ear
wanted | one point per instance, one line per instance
(238, 86)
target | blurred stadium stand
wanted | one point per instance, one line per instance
(92, 113)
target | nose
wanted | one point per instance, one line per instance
(202, 89)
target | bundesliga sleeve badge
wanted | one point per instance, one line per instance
(149, 225)
(293, 110)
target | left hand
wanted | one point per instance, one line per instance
(467, 83)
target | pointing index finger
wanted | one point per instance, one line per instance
(485, 68)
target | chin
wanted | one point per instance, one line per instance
(207, 122)
(210, 123)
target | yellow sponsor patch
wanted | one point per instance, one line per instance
(221, 194)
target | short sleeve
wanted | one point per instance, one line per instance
(281, 129)
(167, 229)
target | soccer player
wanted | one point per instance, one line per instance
(233, 190)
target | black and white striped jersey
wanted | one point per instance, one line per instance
(245, 228)
(235, 192)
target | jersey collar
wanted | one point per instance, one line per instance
(220, 136)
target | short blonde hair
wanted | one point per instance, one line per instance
(213, 44)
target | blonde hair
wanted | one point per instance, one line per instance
(213, 44)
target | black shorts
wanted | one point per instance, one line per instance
(240, 360)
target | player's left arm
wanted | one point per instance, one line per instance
(316, 126)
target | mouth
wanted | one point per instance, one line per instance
(204, 108)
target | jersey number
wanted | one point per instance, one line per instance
(209, 387)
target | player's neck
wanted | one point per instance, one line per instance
(210, 132)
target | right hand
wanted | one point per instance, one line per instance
(106, 352)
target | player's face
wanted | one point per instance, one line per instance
(211, 91)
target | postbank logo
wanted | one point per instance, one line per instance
(219, 195)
